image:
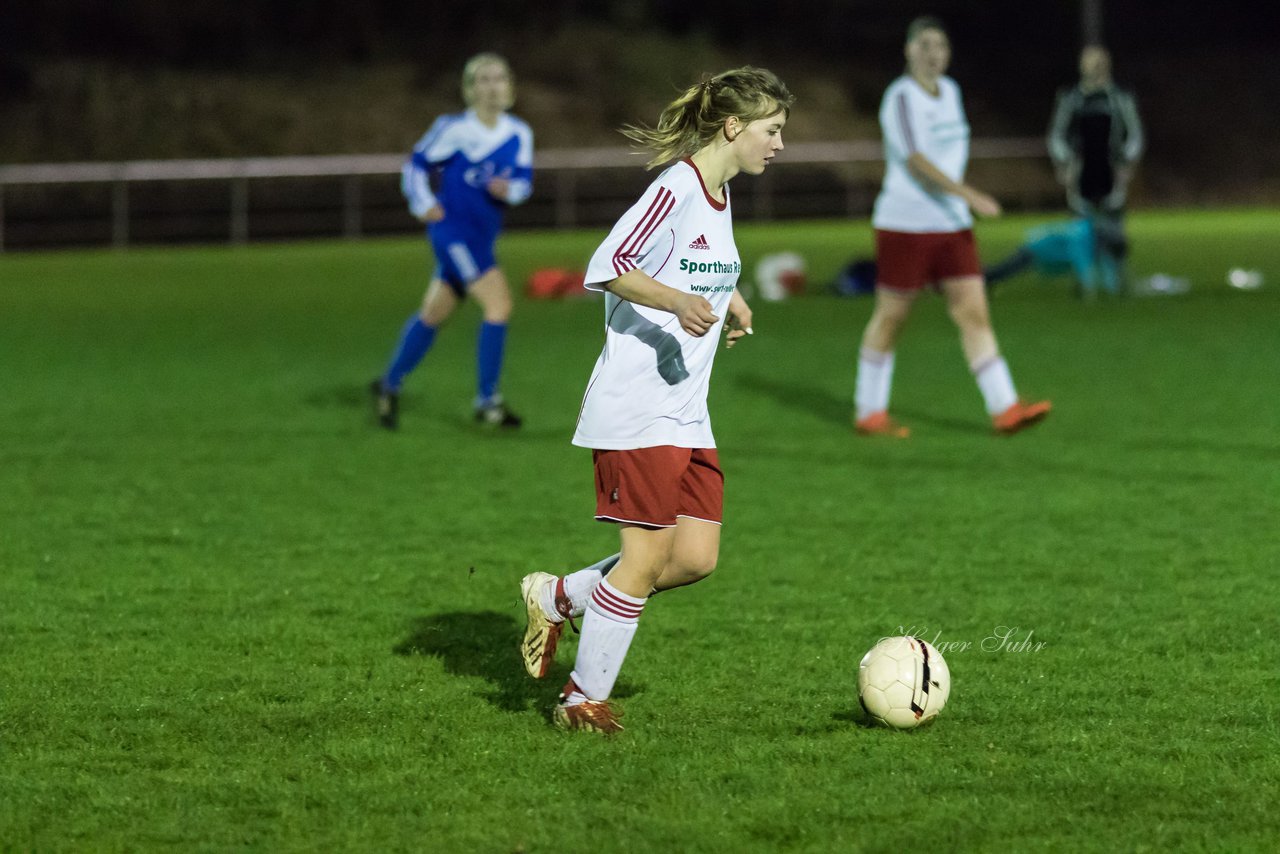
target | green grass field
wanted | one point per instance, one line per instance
(234, 615)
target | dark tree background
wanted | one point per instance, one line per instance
(1205, 75)
(222, 32)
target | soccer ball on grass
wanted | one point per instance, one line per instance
(903, 682)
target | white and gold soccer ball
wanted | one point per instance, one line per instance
(903, 682)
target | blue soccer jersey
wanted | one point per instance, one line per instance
(452, 166)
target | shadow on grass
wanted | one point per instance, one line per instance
(483, 644)
(416, 408)
(341, 396)
(486, 644)
(807, 398)
(839, 721)
(838, 408)
(912, 417)
(855, 716)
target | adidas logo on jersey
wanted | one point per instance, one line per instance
(700, 242)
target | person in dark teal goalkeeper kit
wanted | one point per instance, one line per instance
(1091, 248)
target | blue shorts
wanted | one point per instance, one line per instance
(460, 260)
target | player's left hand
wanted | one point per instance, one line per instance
(983, 205)
(739, 323)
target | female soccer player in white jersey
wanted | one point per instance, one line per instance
(924, 236)
(482, 161)
(669, 270)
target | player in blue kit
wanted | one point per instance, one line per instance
(463, 174)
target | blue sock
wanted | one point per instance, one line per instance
(489, 346)
(415, 341)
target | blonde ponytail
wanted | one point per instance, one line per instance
(697, 115)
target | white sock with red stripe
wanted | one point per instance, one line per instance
(995, 383)
(875, 380)
(578, 585)
(568, 596)
(608, 626)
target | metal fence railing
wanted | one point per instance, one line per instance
(237, 200)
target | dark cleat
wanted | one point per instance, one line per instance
(386, 405)
(497, 414)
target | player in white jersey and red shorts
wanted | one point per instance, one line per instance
(924, 238)
(669, 269)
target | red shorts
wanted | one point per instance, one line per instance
(652, 486)
(907, 262)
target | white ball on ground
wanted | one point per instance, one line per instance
(903, 682)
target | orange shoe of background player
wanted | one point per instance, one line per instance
(1020, 415)
(880, 424)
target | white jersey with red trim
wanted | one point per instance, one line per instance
(911, 121)
(649, 386)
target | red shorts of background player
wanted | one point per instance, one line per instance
(906, 262)
(652, 486)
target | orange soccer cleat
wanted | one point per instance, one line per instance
(880, 424)
(589, 716)
(1020, 415)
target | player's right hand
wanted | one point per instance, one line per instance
(434, 214)
(695, 314)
